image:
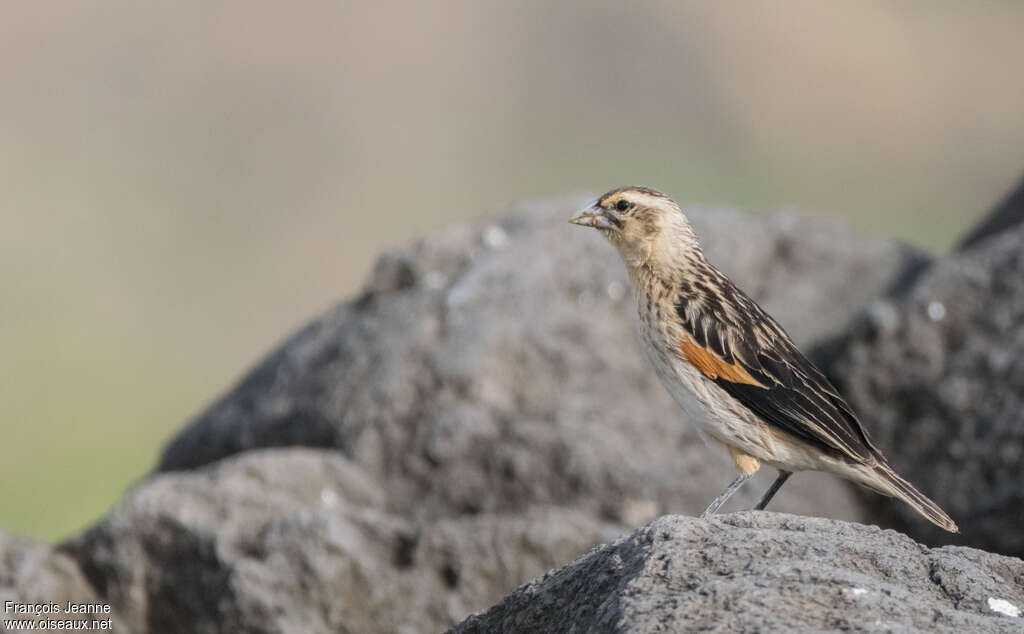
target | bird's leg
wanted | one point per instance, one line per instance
(725, 495)
(773, 489)
(747, 465)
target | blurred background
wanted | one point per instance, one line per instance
(185, 183)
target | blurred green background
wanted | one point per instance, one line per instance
(184, 183)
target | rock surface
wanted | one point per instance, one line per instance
(31, 573)
(938, 377)
(480, 414)
(300, 540)
(492, 367)
(765, 572)
(1007, 214)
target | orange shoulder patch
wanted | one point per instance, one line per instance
(713, 367)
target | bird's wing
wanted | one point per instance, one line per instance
(746, 353)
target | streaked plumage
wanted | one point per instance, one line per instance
(767, 403)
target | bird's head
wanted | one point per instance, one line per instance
(644, 225)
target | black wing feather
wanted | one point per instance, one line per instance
(794, 396)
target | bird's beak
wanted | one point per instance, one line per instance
(591, 216)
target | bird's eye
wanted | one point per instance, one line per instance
(622, 205)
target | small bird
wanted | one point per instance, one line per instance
(766, 402)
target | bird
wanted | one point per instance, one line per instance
(766, 403)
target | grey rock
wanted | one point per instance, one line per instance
(1007, 214)
(304, 540)
(33, 573)
(765, 572)
(939, 381)
(495, 366)
(480, 414)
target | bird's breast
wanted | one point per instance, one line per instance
(717, 414)
(660, 334)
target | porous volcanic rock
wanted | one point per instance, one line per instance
(765, 572)
(301, 540)
(937, 375)
(1007, 214)
(33, 573)
(482, 413)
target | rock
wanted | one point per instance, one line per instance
(765, 572)
(1007, 214)
(304, 540)
(494, 367)
(938, 377)
(480, 414)
(33, 573)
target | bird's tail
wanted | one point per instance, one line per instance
(891, 483)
